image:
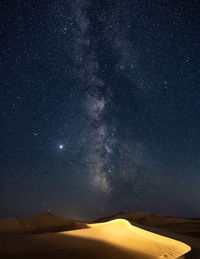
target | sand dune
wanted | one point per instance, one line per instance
(48, 222)
(121, 233)
(115, 239)
(184, 226)
(182, 229)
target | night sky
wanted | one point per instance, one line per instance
(100, 107)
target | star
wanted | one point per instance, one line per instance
(108, 149)
(61, 147)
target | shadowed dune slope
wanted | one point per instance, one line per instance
(42, 223)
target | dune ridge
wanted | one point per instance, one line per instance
(113, 239)
(121, 233)
(183, 226)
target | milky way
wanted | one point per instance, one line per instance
(105, 37)
(99, 107)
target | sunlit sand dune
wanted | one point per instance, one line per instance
(121, 233)
(116, 239)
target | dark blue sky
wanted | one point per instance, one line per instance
(100, 107)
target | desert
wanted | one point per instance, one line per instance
(124, 235)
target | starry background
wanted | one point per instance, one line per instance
(100, 107)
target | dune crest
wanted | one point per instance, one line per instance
(144, 244)
(115, 239)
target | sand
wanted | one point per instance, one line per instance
(186, 230)
(42, 223)
(114, 239)
(184, 226)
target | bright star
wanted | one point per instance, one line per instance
(61, 146)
